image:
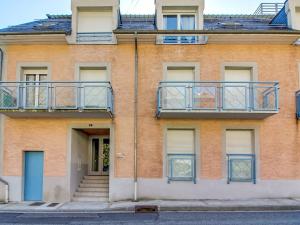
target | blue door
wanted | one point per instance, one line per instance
(33, 176)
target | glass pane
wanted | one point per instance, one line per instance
(241, 169)
(106, 148)
(205, 97)
(235, 97)
(187, 22)
(182, 168)
(95, 97)
(30, 90)
(170, 22)
(174, 98)
(95, 155)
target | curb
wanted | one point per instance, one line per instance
(169, 209)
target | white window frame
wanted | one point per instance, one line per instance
(179, 18)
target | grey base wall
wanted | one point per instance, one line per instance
(219, 189)
(55, 189)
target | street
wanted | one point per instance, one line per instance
(163, 218)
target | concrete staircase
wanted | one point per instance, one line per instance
(92, 189)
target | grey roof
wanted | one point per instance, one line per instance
(62, 23)
(53, 24)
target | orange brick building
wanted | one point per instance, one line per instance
(100, 106)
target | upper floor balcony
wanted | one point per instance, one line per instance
(211, 100)
(298, 104)
(56, 99)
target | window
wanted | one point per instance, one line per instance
(240, 155)
(179, 22)
(94, 87)
(94, 25)
(237, 93)
(36, 92)
(181, 154)
(175, 93)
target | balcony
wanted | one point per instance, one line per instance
(95, 37)
(212, 100)
(298, 104)
(241, 168)
(56, 99)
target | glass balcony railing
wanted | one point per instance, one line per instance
(182, 39)
(241, 168)
(92, 37)
(208, 99)
(181, 167)
(298, 104)
(55, 96)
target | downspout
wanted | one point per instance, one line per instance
(135, 116)
(1, 77)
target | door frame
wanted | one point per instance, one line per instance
(90, 172)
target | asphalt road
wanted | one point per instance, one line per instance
(163, 218)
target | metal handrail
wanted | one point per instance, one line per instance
(239, 158)
(218, 96)
(298, 104)
(37, 95)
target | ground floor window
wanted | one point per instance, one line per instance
(240, 151)
(181, 155)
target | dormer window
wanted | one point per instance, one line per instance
(95, 25)
(179, 22)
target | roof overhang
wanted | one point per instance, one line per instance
(215, 37)
(33, 38)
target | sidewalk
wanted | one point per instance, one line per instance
(167, 205)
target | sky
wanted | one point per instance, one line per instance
(14, 12)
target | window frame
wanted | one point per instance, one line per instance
(255, 154)
(195, 166)
(179, 15)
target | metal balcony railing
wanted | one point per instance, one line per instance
(56, 96)
(182, 39)
(241, 168)
(298, 104)
(92, 37)
(217, 97)
(268, 8)
(181, 167)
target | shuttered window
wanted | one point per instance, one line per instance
(181, 141)
(178, 74)
(93, 74)
(239, 142)
(240, 75)
(95, 21)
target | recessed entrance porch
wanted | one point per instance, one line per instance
(90, 162)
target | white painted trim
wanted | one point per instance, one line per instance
(194, 65)
(79, 65)
(22, 65)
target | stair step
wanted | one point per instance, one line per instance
(91, 194)
(93, 189)
(96, 177)
(89, 199)
(93, 185)
(95, 181)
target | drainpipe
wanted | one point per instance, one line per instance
(2, 181)
(135, 116)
